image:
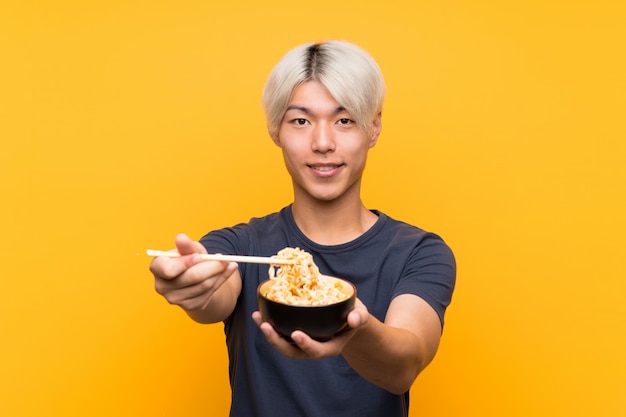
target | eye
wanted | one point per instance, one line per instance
(299, 121)
(344, 121)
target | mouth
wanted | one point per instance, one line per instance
(325, 170)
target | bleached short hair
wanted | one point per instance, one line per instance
(349, 73)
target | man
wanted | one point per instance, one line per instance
(323, 104)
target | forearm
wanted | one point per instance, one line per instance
(387, 356)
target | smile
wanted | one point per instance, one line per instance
(325, 169)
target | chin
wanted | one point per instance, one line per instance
(327, 193)
(329, 197)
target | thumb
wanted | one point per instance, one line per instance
(186, 246)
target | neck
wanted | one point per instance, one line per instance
(332, 222)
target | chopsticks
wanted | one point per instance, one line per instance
(226, 258)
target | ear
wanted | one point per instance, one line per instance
(377, 126)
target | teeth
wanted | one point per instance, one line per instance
(325, 168)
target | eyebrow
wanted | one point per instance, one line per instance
(305, 110)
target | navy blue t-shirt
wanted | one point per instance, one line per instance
(390, 259)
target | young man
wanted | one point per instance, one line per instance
(323, 104)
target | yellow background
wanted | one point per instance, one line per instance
(123, 123)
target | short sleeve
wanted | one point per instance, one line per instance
(430, 273)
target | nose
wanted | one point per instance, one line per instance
(323, 138)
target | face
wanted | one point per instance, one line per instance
(323, 147)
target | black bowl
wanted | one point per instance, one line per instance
(321, 322)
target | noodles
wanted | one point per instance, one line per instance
(301, 283)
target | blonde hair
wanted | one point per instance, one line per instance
(349, 73)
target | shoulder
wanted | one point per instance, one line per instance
(426, 250)
(402, 234)
(428, 265)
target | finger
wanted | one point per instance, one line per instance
(195, 287)
(354, 319)
(187, 246)
(213, 271)
(358, 316)
(189, 299)
(303, 341)
(207, 274)
(276, 340)
(317, 350)
(256, 317)
(169, 268)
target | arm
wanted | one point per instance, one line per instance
(389, 354)
(392, 354)
(206, 290)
